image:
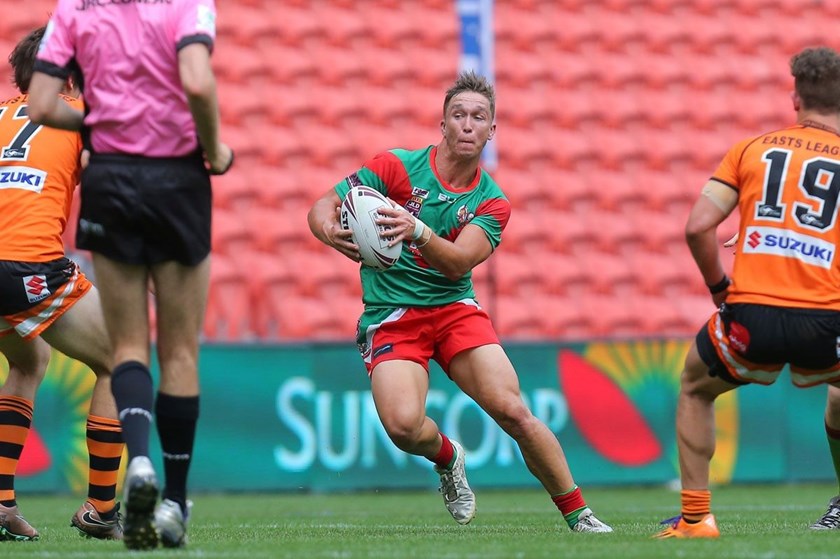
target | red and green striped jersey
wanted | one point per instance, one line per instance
(410, 179)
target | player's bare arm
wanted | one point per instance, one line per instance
(46, 105)
(711, 209)
(452, 259)
(324, 223)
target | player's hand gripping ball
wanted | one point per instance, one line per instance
(359, 211)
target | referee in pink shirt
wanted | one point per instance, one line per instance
(151, 125)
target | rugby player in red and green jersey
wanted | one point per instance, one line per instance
(450, 213)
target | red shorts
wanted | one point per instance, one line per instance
(422, 333)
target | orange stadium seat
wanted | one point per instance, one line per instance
(573, 71)
(289, 67)
(620, 70)
(517, 274)
(385, 108)
(235, 191)
(518, 317)
(623, 31)
(521, 233)
(559, 273)
(339, 67)
(665, 148)
(665, 33)
(619, 109)
(291, 107)
(663, 70)
(566, 318)
(430, 67)
(617, 190)
(521, 68)
(696, 310)
(241, 103)
(664, 276)
(618, 233)
(663, 109)
(297, 27)
(567, 190)
(661, 231)
(17, 23)
(230, 235)
(615, 148)
(610, 316)
(386, 70)
(247, 25)
(571, 232)
(524, 108)
(668, 193)
(525, 30)
(237, 63)
(395, 27)
(276, 230)
(661, 316)
(579, 34)
(301, 318)
(425, 104)
(347, 25)
(228, 303)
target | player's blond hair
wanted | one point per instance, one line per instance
(471, 81)
(816, 73)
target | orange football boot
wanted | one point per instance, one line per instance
(679, 528)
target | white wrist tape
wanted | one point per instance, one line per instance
(419, 228)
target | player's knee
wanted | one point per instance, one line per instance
(514, 418)
(33, 366)
(403, 431)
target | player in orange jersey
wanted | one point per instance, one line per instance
(46, 301)
(782, 306)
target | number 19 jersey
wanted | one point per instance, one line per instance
(788, 184)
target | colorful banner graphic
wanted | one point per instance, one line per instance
(302, 418)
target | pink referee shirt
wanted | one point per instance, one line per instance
(128, 53)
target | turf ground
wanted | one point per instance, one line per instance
(761, 522)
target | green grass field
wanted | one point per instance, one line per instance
(761, 522)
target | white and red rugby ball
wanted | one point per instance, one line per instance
(359, 210)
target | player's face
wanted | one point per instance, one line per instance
(468, 124)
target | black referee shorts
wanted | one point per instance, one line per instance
(144, 211)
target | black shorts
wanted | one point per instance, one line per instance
(142, 210)
(23, 285)
(749, 343)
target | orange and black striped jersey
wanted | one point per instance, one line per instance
(39, 169)
(788, 184)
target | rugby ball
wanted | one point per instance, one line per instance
(359, 211)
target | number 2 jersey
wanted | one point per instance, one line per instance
(411, 179)
(788, 183)
(39, 169)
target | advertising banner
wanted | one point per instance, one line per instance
(301, 418)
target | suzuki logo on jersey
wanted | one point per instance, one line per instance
(26, 178)
(36, 287)
(789, 244)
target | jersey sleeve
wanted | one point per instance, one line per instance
(58, 47)
(492, 216)
(384, 172)
(728, 172)
(196, 24)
